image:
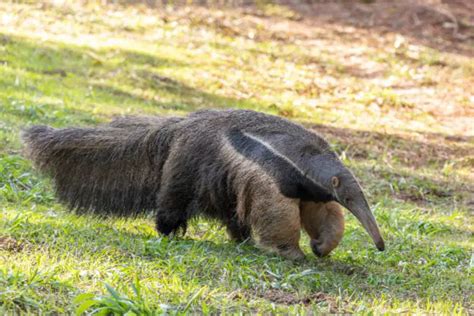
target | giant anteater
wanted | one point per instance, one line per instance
(261, 175)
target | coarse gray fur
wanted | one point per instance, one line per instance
(245, 168)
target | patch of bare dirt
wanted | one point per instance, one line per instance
(354, 30)
(10, 244)
(443, 24)
(280, 297)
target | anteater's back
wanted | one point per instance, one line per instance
(117, 169)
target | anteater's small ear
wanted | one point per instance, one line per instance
(335, 182)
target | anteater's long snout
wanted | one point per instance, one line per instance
(367, 219)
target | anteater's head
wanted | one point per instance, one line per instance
(349, 194)
(345, 188)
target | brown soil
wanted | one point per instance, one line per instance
(413, 149)
(10, 244)
(443, 24)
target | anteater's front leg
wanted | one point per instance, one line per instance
(275, 221)
(237, 229)
(324, 223)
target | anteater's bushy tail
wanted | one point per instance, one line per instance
(106, 170)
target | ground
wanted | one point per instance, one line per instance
(395, 99)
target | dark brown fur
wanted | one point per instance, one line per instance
(256, 173)
(324, 222)
(112, 170)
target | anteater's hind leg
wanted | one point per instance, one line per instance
(275, 222)
(324, 223)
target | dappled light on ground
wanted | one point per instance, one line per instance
(397, 105)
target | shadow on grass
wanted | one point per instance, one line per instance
(110, 76)
(203, 260)
(29, 112)
(245, 268)
(444, 27)
(52, 61)
(435, 151)
(435, 148)
(184, 98)
(141, 72)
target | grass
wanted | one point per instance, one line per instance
(67, 65)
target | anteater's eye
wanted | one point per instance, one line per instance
(335, 182)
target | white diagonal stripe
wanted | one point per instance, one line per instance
(276, 153)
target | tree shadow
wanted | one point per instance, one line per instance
(446, 26)
(433, 148)
(93, 72)
(184, 98)
(206, 262)
(168, 94)
(361, 145)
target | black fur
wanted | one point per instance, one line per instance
(176, 166)
(292, 183)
